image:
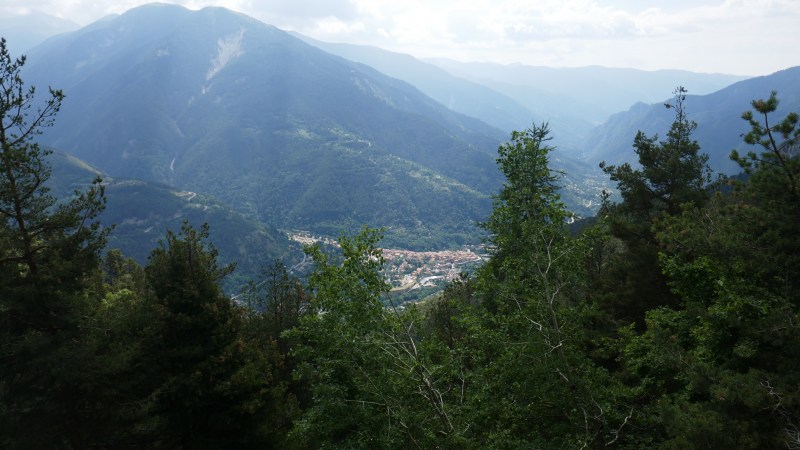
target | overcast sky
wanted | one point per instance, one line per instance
(743, 37)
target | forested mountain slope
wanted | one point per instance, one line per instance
(670, 322)
(458, 94)
(141, 212)
(215, 102)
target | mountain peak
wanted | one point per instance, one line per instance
(212, 101)
(155, 7)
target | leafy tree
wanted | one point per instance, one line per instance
(444, 314)
(48, 251)
(345, 309)
(375, 383)
(122, 273)
(528, 207)
(530, 238)
(538, 387)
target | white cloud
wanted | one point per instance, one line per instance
(738, 36)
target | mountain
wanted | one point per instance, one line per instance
(141, 212)
(718, 115)
(582, 97)
(28, 30)
(582, 183)
(458, 94)
(215, 102)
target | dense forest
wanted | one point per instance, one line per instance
(669, 320)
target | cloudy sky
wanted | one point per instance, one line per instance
(743, 37)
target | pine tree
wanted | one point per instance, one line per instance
(48, 249)
(673, 172)
(209, 389)
(672, 175)
(719, 367)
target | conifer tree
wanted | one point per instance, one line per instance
(538, 387)
(48, 249)
(719, 367)
(208, 390)
(672, 174)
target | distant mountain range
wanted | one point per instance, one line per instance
(512, 97)
(583, 96)
(301, 134)
(718, 115)
(27, 31)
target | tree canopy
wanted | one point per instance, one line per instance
(671, 322)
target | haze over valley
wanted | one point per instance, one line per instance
(295, 133)
(371, 224)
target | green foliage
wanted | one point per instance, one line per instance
(774, 153)
(444, 314)
(672, 173)
(47, 254)
(717, 368)
(528, 216)
(276, 305)
(772, 195)
(495, 362)
(671, 322)
(375, 383)
(122, 273)
(538, 386)
(210, 389)
(279, 298)
(673, 176)
(124, 357)
(773, 191)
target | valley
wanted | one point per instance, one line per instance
(215, 117)
(217, 232)
(417, 275)
(411, 274)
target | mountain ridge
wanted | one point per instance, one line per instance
(718, 116)
(212, 101)
(26, 31)
(581, 97)
(458, 94)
